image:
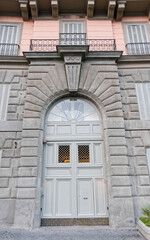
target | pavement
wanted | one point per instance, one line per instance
(70, 233)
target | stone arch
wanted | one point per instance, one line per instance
(105, 94)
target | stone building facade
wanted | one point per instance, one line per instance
(115, 83)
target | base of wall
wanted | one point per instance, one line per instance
(74, 221)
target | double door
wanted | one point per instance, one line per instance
(73, 183)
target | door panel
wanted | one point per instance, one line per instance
(85, 197)
(63, 197)
(48, 199)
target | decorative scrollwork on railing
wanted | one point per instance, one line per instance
(67, 39)
(142, 48)
(9, 49)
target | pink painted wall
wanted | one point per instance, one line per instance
(96, 29)
(46, 29)
(99, 29)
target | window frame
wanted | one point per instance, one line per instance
(61, 22)
(20, 30)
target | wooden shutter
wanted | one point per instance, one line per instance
(73, 27)
(137, 33)
(148, 158)
(4, 94)
(143, 95)
(8, 36)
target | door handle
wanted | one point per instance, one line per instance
(85, 198)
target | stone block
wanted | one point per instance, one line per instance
(12, 116)
(13, 193)
(116, 132)
(114, 123)
(121, 192)
(29, 151)
(119, 141)
(121, 213)
(27, 182)
(3, 182)
(139, 151)
(119, 170)
(141, 160)
(143, 180)
(138, 142)
(5, 162)
(31, 114)
(8, 153)
(16, 87)
(27, 171)
(7, 209)
(141, 170)
(12, 109)
(146, 138)
(14, 94)
(11, 127)
(131, 93)
(31, 123)
(134, 108)
(117, 150)
(8, 144)
(13, 182)
(30, 142)
(28, 161)
(5, 172)
(4, 193)
(13, 101)
(144, 190)
(32, 107)
(14, 162)
(26, 193)
(24, 213)
(119, 160)
(133, 115)
(121, 181)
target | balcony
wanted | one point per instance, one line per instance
(75, 39)
(9, 49)
(138, 48)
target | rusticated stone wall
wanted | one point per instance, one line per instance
(126, 137)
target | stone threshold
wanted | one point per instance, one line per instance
(74, 221)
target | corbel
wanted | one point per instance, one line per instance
(24, 6)
(34, 8)
(111, 9)
(54, 5)
(90, 8)
(120, 9)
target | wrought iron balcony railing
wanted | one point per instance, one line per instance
(67, 39)
(142, 48)
(9, 49)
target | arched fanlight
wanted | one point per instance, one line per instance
(73, 110)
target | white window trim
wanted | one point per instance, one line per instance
(4, 104)
(146, 116)
(20, 27)
(148, 158)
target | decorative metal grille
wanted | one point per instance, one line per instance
(138, 48)
(9, 49)
(64, 154)
(101, 44)
(72, 40)
(83, 154)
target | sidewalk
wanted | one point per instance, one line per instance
(70, 233)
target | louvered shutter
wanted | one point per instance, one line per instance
(72, 33)
(137, 36)
(4, 94)
(8, 37)
(143, 96)
(148, 158)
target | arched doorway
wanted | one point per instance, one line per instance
(73, 171)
